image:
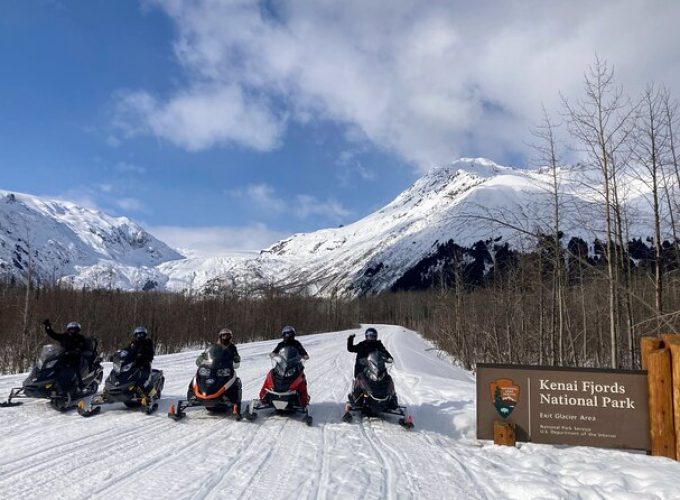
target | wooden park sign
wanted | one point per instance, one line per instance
(587, 407)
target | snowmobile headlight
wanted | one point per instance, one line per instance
(374, 376)
(224, 372)
(210, 381)
(203, 371)
(126, 368)
(290, 372)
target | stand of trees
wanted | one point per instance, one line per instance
(175, 321)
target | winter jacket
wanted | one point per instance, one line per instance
(234, 352)
(144, 351)
(363, 349)
(73, 344)
(291, 343)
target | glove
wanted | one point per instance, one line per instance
(352, 335)
(305, 357)
(47, 323)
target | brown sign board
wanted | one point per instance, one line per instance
(573, 406)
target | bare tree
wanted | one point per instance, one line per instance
(601, 123)
(548, 156)
(672, 179)
(650, 145)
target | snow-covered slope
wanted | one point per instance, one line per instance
(125, 454)
(62, 239)
(469, 200)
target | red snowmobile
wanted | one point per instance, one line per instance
(285, 388)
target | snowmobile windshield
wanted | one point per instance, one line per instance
(49, 354)
(287, 361)
(123, 361)
(216, 357)
(375, 366)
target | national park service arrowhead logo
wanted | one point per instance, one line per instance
(504, 395)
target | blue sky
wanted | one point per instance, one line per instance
(227, 125)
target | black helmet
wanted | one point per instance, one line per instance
(73, 327)
(225, 335)
(371, 334)
(140, 333)
(288, 332)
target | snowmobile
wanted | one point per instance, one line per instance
(128, 384)
(285, 388)
(52, 378)
(214, 387)
(373, 393)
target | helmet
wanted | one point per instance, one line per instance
(288, 332)
(73, 326)
(371, 334)
(140, 333)
(225, 335)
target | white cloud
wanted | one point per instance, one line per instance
(84, 197)
(265, 198)
(113, 141)
(130, 204)
(218, 240)
(202, 117)
(426, 80)
(306, 205)
(129, 168)
(350, 166)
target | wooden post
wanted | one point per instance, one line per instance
(661, 424)
(669, 338)
(647, 345)
(674, 346)
(503, 433)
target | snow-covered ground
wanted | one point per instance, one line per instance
(125, 454)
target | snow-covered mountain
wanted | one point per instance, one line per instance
(471, 199)
(464, 202)
(126, 454)
(56, 239)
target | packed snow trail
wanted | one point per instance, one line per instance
(126, 454)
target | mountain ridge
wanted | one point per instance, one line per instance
(462, 203)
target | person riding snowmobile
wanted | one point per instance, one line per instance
(142, 346)
(143, 349)
(366, 347)
(285, 386)
(224, 340)
(373, 390)
(289, 340)
(74, 345)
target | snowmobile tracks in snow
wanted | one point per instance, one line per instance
(123, 453)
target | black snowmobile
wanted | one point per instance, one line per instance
(285, 388)
(128, 384)
(215, 385)
(52, 378)
(373, 393)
